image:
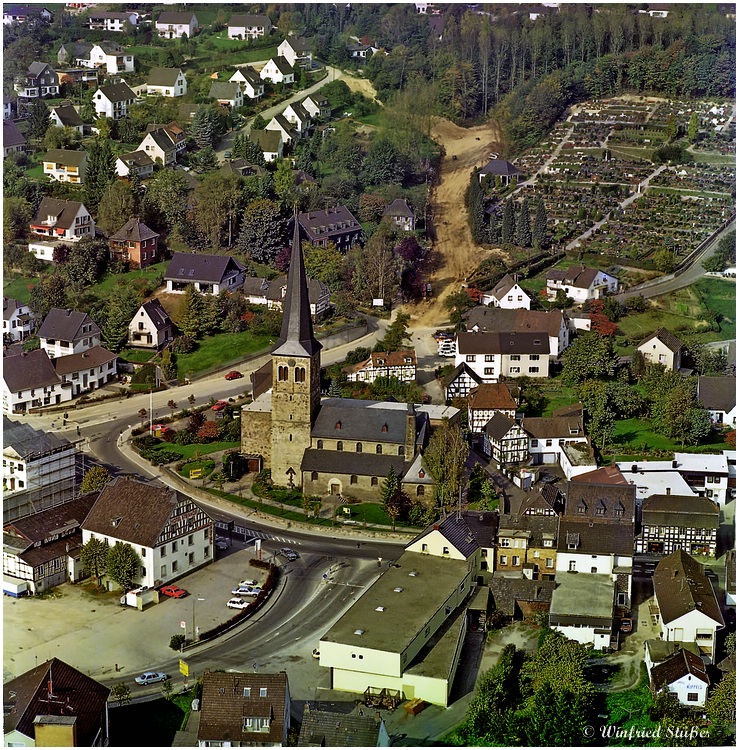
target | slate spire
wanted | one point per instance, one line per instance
(296, 336)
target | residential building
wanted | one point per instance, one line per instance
(671, 522)
(66, 166)
(175, 133)
(502, 320)
(718, 397)
(648, 481)
(549, 435)
(67, 331)
(68, 221)
(248, 26)
(13, 140)
(269, 141)
(112, 20)
(137, 162)
(21, 13)
(66, 116)
(400, 365)
(278, 70)
(321, 728)
(297, 51)
(108, 56)
(500, 168)
(520, 598)
(169, 82)
(317, 106)
(272, 293)
(39, 81)
(10, 107)
(495, 356)
(662, 348)
(18, 320)
(210, 274)
(114, 100)
(460, 381)
(89, 78)
(227, 94)
(400, 214)
(298, 117)
(507, 294)
(361, 51)
(486, 399)
(683, 675)
(252, 85)
(336, 225)
(87, 370)
(173, 24)
(159, 147)
(135, 244)
(43, 549)
(504, 440)
(151, 326)
(288, 134)
(31, 382)
(580, 283)
(170, 532)
(55, 705)
(38, 469)
(69, 52)
(244, 709)
(688, 608)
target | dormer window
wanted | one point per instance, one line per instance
(338, 425)
(384, 428)
(582, 508)
(421, 474)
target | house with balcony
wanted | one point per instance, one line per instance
(244, 709)
(209, 274)
(400, 365)
(549, 435)
(336, 225)
(167, 82)
(580, 283)
(135, 244)
(66, 116)
(507, 294)
(13, 140)
(66, 166)
(688, 608)
(39, 81)
(169, 531)
(21, 13)
(227, 94)
(278, 70)
(108, 56)
(137, 163)
(400, 214)
(87, 370)
(662, 348)
(31, 382)
(113, 100)
(173, 24)
(484, 400)
(66, 332)
(249, 26)
(18, 320)
(58, 221)
(498, 356)
(252, 85)
(112, 20)
(297, 51)
(317, 106)
(151, 327)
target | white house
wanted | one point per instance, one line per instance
(684, 675)
(486, 399)
(718, 396)
(31, 382)
(507, 294)
(66, 332)
(582, 608)
(297, 116)
(209, 274)
(151, 326)
(21, 13)
(173, 24)
(401, 214)
(297, 51)
(86, 371)
(400, 365)
(108, 56)
(137, 162)
(17, 320)
(40, 80)
(58, 220)
(278, 70)
(114, 100)
(248, 26)
(662, 348)
(158, 146)
(169, 82)
(112, 20)
(580, 283)
(269, 141)
(495, 356)
(288, 134)
(66, 116)
(688, 607)
(317, 106)
(251, 83)
(66, 166)
(170, 532)
(227, 94)
(549, 435)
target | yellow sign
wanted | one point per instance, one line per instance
(184, 668)
(196, 473)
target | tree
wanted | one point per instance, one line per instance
(117, 205)
(324, 264)
(590, 356)
(64, 138)
(171, 405)
(396, 335)
(693, 128)
(38, 119)
(383, 163)
(508, 223)
(120, 693)
(94, 557)
(285, 184)
(262, 231)
(123, 564)
(664, 260)
(166, 199)
(259, 123)
(218, 201)
(539, 235)
(167, 689)
(192, 310)
(51, 291)
(142, 415)
(115, 313)
(204, 126)
(204, 160)
(445, 459)
(17, 214)
(100, 172)
(458, 303)
(523, 225)
(95, 479)
(377, 271)
(87, 262)
(390, 488)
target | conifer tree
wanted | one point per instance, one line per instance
(540, 225)
(523, 225)
(100, 173)
(509, 222)
(203, 129)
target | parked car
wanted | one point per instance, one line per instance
(233, 375)
(219, 405)
(248, 582)
(148, 678)
(289, 554)
(174, 591)
(237, 603)
(221, 544)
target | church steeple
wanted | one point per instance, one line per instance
(296, 336)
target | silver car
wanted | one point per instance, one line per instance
(147, 678)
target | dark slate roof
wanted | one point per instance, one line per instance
(64, 211)
(462, 367)
(355, 419)
(93, 357)
(286, 125)
(175, 17)
(283, 65)
(717, 393)
(296, 335)
(248, 19)
(687, 511)
(468, 531)
(491, 396)
(329, 729)
(251, 76)
(538, 527)
(10, 305)
(11, 135)
(68, 116)
(545, 499)
(136, 159)
(111, 48)
(112, 15)
(192, 267)
(223, 707)
(45, 553)
(671, 341)
(500, 167)
(580, 276)
(78, 695)
(28, 442)
(361, 464)
(681, 587)
(163, 76)
(29, 370)
(76, 49)
(398, 207)
(66, 325)
(597, 536)
(494, 342)
(299, 43)
(63, 156)
(593, 497)
(682, 664)
(325, 224)
(117, 92)
(507, 591)
(35, 69)
(502, 320)
(571, 410)
(553, 427)
(499, 426)
(157, 314)
(134, 230)
(59, 519)
(162, 138)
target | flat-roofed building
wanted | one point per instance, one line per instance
(582, 608)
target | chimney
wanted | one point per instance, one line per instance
(436, 527)
(674, 464)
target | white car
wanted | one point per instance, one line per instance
(248, 582)
(245, 591)
(237, 603)
(147, 678)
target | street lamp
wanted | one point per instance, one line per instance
(194, 634)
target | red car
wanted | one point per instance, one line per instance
(234, 375)
(219, 406)
(174, 591)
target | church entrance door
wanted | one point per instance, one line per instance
(335, 489)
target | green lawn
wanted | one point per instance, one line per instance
(372, 513)
(719, 295)
(136, 355)
(189, 451)
(564, 396)
(206, 466)
(19, 288)
(631, 435)
(106, 286)
(220, 350)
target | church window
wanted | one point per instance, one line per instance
(419, 491)
(401, 450)
(314, 476)
(378, 449)
(359, 447)
(319, 444)
(291, 438)
(282, 373)
(300, 374)
(353, 479)
(340, 445)
(373, 481)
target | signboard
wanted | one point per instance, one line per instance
(183, 624)
(196, 473)
(378, 302)
(184, 668)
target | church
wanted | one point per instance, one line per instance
(328, 446)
